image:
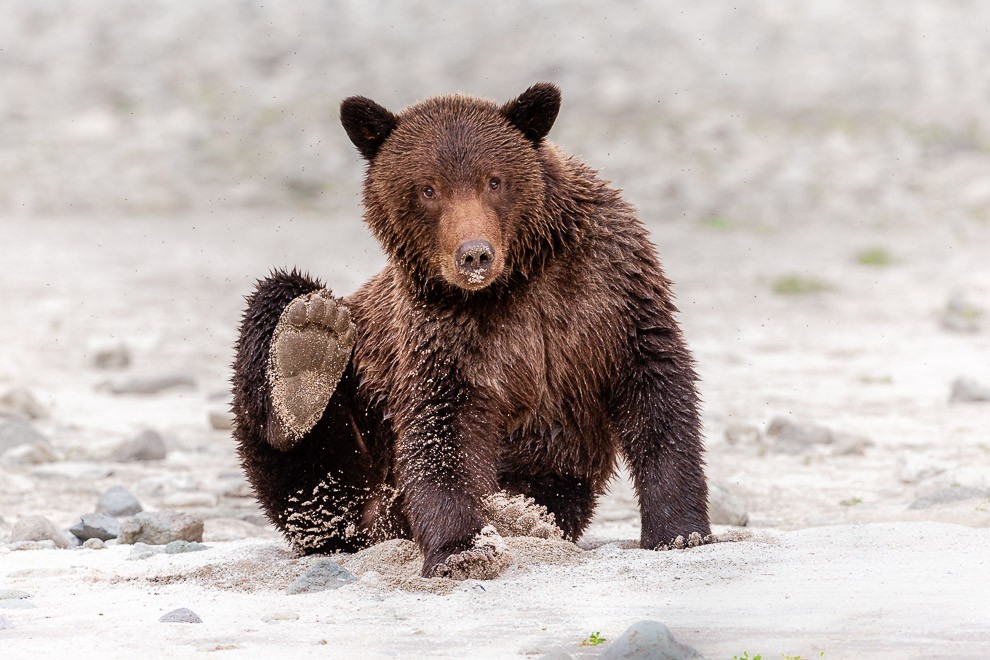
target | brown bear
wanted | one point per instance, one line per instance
(520, 340)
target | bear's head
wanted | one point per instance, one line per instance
(454, 182)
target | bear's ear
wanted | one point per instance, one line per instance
(534, 111)
(367, 124)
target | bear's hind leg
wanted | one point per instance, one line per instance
(569, 499)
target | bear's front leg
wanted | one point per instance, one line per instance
(655, 408)
(446, 460)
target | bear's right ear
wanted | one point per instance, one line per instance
(367, 124)
(534, 111)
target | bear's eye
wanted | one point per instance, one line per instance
(428, 192)
(494, 183)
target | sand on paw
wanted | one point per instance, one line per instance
(518, 515)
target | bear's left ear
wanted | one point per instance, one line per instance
(367, 124)
(534, 111)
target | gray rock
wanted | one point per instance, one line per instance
(648, 640)
(180, 547)
(117, 501)
(20, 401)
(13, 594)
(35, 453)
(322, 576)
(16, 432)
(965, 390)
(111, 356)
(151, 384)
(161, 527)
(724, 507)
(143, 551)
(948, 495)
(93, 544)
(96, 526)
(147, 446)
(221, 419)
(743, 434)
(38, 528)
(788, 437)
(181, 615)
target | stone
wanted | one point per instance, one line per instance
(181, 615)
(847, 444)
(146, 385)
(161, 527)
(965, 390)
(15, 432)
(118, 502)
(38, 528)
(94, 544)
(788, 437)
(96, 526)
(322, 576)
(724, 507)
(110, 356)
(180, 547)
(35, 453)
(143, 551)
(949, 495)
(20, 401)
(743, 434)
(147, 446)
(648, 640)
(12, 594)
(221, 419)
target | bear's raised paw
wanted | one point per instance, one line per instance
(310, 350)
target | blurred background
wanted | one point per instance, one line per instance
(816, 176)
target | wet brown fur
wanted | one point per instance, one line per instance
(566, 358)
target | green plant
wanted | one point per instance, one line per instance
(717, 222)
(745, 656)
(796, 285)
(852, 501)
(594, 639)
(874, 256)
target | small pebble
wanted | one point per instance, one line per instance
(322, 576)
(16, 432)
(118, 502)
(143, 551)
(180, 547)
(147, 446)
(96, 526)
(181, 615)
(648, 640)
(111, 356)
(93, 544)
(965, 390)
(724, 507)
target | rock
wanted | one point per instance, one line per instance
(847, 444)
(118, 502)
(948, 495)
(724, 507)
(787, 437)
(34, 545)
(36, 453)
(961, 315)
(11, 594)
(38, 528)
(912, 468)
(161, 527)
(221, 419)
(93, 544)
(180, 547)
(743, 434)
(965, 390)
(20, 401)
(143, 551)
(322, 576)
(109, 356)
(181, 615)
(648, 640)
(16, 432)
(150, 384)
(147, 446)
(96, 526)
(275, 617)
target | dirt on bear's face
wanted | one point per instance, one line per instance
(452, 181)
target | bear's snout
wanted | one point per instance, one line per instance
(473, 259)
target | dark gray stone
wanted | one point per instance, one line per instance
(965, 390)
(648, 640)
(113, 356)
(117, 501)
(147, 446)
(38, 528)
(151, 384)
(321, 576)
(180, 547)
(948, 495)
(181, 615)
(161, 527)
(96, 526)
(15, 432)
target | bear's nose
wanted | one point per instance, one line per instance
(474, 258)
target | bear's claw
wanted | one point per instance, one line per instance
(310, 350)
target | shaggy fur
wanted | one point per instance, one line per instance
(531, 378)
